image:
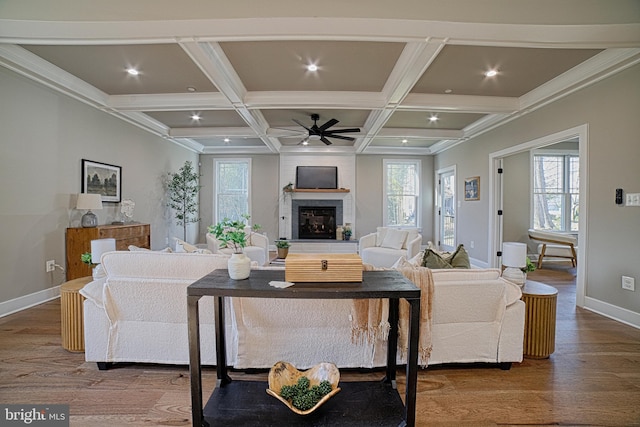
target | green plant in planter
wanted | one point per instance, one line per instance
(282, 244)
(529, 267)
(231, 233)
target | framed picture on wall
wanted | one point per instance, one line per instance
(472, 188)
(103, 179)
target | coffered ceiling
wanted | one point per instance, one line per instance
(247, 78)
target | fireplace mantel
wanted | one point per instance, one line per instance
(318, 190)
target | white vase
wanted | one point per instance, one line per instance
(239, 266)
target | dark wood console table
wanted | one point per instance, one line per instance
(261, 409)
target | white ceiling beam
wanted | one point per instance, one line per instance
(459, 103)
(436, 134)
(413, 61)
(213, 62)
(204, 132)
(170, 102)
(314, 99)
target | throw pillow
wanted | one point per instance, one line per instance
(182, 246)
(381, 232)
(459, 258)
(413, 233)
(394, 239)
(433, 260)
(133, 248)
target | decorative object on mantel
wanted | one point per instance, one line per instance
(89, 202)
(183, 188)
(283, 248)
(514, 258)
(126, 209)
(346, 231)
(339, 232)
(232, 235)
(303, 392)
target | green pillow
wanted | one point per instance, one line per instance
(460, 258)
(432, 259)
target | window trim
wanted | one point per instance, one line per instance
(566, 154)
(418, 195)
(216, 163)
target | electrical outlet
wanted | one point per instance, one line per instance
(628, 283)
(50, 266)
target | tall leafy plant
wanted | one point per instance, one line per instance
(183, 188)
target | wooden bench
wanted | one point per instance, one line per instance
(555, 245)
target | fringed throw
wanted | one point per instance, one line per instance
(369, 325)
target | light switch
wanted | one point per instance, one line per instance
(633, 199)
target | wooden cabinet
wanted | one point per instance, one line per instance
(79, 242)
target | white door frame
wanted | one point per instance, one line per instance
(495, 197)
(438, 218)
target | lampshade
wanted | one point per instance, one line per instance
(100, 246)
(89, 201)
(514, 254)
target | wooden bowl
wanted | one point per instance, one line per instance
(284, 373)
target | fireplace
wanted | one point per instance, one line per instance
(315, 219)
(316, 223)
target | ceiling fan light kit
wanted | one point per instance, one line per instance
(322, 132)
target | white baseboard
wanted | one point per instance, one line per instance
(611, 311)
(27, 301)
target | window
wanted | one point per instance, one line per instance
(402, 193)
(556, 180)
(233, 182)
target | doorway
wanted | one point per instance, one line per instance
(496, 202)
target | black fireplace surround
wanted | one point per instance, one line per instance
(315, 219)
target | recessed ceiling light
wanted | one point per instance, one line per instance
(195, 116)
(312, 67)
(404, 141)
(226, 140)
(491, 73)
(433, 118)
(448, 90)
(191, 89)
(132, 71)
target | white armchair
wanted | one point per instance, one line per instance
(384, 247)
(257, 246)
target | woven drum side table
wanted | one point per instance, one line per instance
(71, 312)
(540, 319)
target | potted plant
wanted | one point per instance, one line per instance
(346, 232)
(283, 248)
(528, 268)
(183, 188)
(96, 269)
(232, 235)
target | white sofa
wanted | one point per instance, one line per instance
(257, 247)
(387, 245)
(138, 314)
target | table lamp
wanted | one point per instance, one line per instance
(514, 258)
(99, 247)
(89, 202)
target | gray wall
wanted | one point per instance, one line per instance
(610, 108)
(369, 194)
(45, 135)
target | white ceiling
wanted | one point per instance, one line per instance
(385, 74)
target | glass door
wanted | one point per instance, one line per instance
(447, 210)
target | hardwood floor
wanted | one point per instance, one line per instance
(593, 378)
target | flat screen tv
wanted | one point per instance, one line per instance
(312, 177)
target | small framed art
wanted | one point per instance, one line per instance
(103, 179)
(472, 188)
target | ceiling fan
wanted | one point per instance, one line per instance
(323, 132)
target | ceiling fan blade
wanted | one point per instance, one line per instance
(328, 124)
(348, 138)
(325, 140)
(300, 124)
(348, 130)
